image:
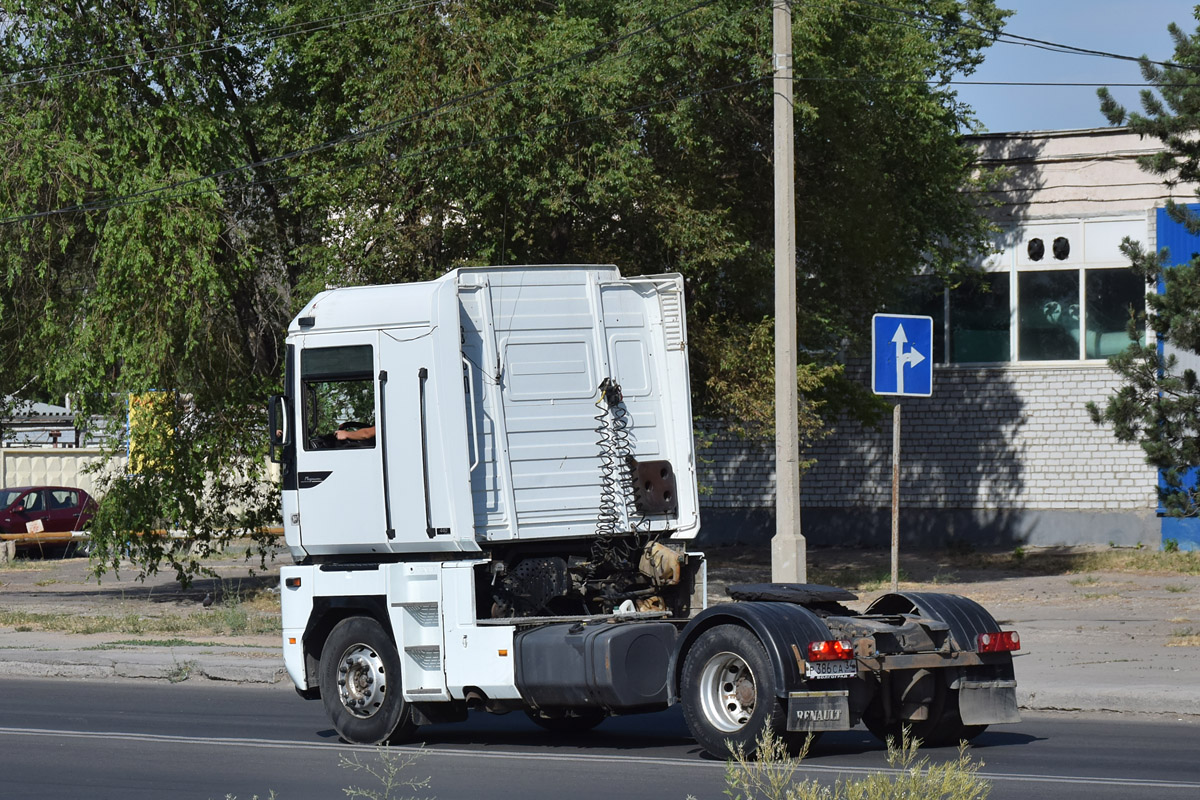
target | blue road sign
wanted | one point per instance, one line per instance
(902, 355)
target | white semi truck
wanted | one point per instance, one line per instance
(489, 487)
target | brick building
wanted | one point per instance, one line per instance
(1004, 452)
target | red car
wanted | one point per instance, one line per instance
(44, 513)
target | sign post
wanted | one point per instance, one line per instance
(902, 366)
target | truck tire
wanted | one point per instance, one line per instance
(567, 723)
(953, 730)
(728, 692)
(943, 727)
(360, 683)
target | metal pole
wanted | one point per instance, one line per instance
(788, 558)
(895, 495)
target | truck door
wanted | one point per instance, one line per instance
(339, 461)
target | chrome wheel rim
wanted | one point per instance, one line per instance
(362, 680)
(727, 692)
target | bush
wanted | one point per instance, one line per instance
(772, 776)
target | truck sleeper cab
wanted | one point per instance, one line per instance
(489, 486)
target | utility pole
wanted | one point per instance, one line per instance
(788, 557)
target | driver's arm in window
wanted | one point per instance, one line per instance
(357, 435)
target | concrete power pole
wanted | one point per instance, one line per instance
(788, 557)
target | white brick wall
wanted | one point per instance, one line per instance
(1011, 437)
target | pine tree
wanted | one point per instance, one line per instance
(1158, 403)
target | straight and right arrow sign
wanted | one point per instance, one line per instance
(902, 355)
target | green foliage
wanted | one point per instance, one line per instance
(181, 671)
(773, 776)
(388, 769)
(180, 178)
(1158, 403)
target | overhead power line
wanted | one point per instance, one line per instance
(1004, 37)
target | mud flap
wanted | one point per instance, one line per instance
(987, 702)
(818, 711)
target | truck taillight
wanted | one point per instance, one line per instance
(999, 642)
(830, 650)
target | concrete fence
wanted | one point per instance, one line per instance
(26, 466)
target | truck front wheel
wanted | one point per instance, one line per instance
(728, 691)
(360, 683)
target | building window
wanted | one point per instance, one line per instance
(980, 310)
(1048, 315)
(1114, 296)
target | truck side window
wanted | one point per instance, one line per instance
(337, 393)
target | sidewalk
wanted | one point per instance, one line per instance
(1077, 659)
(94, 656)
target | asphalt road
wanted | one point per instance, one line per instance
(130, 740)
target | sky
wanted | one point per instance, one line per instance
(1125, 27)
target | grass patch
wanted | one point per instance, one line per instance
(47, 582)
(854, 578)
(1087, 580)
(225, 622)
(1070, 561)
(121, 644)
(24, 565)
(182, 671)
(942, 578)
(1184, 637)
(1177, 588)
(1099, 595)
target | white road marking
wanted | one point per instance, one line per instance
(589, 758)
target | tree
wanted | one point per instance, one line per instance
(1158, 403)
(182, 177)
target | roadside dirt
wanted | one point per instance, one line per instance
(1158, 590)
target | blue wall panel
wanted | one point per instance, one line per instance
(1183, 247)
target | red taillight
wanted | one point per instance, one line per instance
(999, 642)
(831, 650)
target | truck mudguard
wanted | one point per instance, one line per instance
(966, 618)
(778, 626)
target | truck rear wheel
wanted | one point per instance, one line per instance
(942, 726)
(360, 683)
(728, 691)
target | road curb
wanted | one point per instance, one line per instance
(1128, 701)
(173, 668)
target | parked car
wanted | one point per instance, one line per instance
(44, 513)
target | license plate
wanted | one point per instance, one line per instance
(830, 669)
